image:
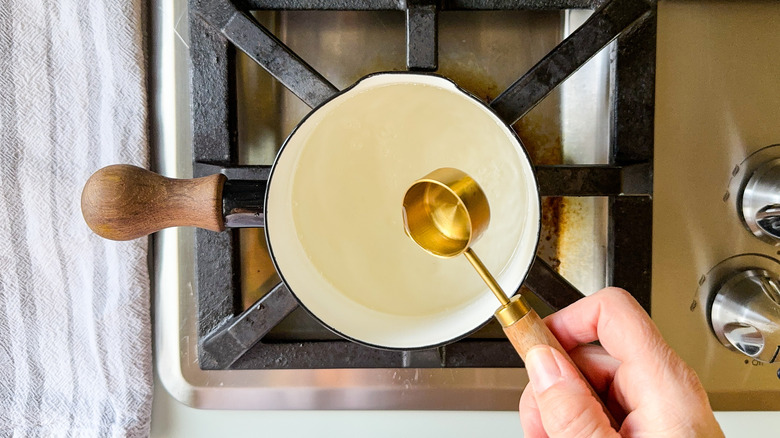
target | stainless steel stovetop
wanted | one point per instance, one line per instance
(717, 104)
(484, 52)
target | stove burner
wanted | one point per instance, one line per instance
(233, 339)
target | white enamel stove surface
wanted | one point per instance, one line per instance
(717, 102)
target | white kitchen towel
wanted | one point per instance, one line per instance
(75, 338)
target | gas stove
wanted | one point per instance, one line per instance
(574, 78)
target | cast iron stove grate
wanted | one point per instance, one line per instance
(232, 339)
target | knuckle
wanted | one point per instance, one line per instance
(617, 294)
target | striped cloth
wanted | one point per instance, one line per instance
(75, 338)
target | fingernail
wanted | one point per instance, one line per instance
(543, 370)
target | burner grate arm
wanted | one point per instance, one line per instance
(268, 51)
(232, 340)
(567, 57)
(422, 41)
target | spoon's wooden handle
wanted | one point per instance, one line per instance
(123, 202)
(530, 331)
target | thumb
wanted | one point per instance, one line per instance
(566, 405)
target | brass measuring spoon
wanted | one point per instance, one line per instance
(444, 213)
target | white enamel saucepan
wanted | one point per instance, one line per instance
(333, 210)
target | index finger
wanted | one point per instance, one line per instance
(613, 317)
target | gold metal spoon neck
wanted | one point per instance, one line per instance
(486, 276)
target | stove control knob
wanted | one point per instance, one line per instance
(759, 203)
(745, 314)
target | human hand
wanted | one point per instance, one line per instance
(648, 389)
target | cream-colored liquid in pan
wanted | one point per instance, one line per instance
(349, 185)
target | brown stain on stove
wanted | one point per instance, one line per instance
(472, 77)
(258, 275)
(541, 138)
(544, 146)
(552, 208)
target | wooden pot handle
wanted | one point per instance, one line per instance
(530, 331)
(123, 202)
